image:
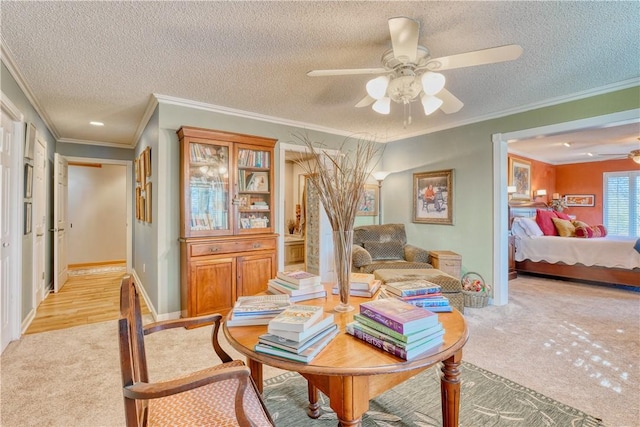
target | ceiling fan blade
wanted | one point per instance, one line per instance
(367, 100)
(477, 57)
(346, 72)
(450, 104)
(404, 38)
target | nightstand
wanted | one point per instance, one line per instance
(513, 274)
(447, 261)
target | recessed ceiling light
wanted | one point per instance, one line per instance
(590, 154)
(96, 123)
(566, 144)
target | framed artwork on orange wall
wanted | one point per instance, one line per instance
(520, 177)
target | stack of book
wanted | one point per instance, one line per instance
(397, 327)
(299, 285)
(257, 310)
(420, 293)
(361, 285)
(298, 333)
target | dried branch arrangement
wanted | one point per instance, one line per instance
(339, 179)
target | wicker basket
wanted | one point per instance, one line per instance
(474, 299)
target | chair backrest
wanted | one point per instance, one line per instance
(379, 233)
(133, 359)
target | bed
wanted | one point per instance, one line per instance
(606, 260)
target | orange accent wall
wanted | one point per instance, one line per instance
(587, 178)
(576, 178)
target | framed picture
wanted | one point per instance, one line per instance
(27, 218)
(147, 206)
(28, 181)
(147, 161)
(29, 140)
(433, 197)
(136, 163)
(368, 205)
(138, 195)
(245, 223)
(258, 181)
(520, 177)
(580, 199)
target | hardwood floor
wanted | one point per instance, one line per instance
(84, 299)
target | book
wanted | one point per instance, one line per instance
(248, 320)
(409, 338)
(260, 304)
(292, 290)
(368, 292)
(325, 322)
(412, 287)
(297, 318)
(437, 330)
(436, 309)
(428, 302)
(302, 297)
(393, 349)
(295, 346)
(361, 280)
(305, 356)
(398, 315)
(299, 277)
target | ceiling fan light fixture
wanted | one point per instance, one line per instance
(377, 88)
(432, 83)
(430, 103)
(382, 105)
(635, 156)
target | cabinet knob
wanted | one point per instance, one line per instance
(213, 250)
(256, 245)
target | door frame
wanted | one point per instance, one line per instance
(39, 291)
(281, 228)
(15, 217)
(500, 199)
(128, 164)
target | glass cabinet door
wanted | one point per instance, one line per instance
(209, 202)
(254, 191)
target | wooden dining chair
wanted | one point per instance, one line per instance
(222, 395)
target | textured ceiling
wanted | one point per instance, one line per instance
(102, 61)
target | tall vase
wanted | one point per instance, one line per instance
(342, 250)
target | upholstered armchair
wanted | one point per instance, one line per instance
(385, 246)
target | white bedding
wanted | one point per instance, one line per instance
(610, 251)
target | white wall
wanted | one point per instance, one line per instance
(97, 214)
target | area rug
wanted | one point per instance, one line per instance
(487, 399)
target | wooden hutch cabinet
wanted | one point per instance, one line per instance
(228, 247)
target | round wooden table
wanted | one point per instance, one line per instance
(351, 372)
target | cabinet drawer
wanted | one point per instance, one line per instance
(205, 249)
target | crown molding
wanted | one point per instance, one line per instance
(9, 62)
(625, 84)
(171, 100)
(100, 143)
(148, 112)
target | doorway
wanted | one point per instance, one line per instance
(500, 224)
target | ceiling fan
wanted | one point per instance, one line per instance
(409, 72)
(633, 155)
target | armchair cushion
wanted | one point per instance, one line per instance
(360, 256)
(415, 254)
(385, 250)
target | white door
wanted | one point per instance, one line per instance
(39, 219)
(60, 192)
(9, 230)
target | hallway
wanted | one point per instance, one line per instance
(89, 296)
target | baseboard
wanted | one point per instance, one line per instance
(156, 317)
(96, 264)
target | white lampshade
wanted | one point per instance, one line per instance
(382, 106)
(432, 83)
(380, 175)
(430, 103)
(377, 88)
(541, 193)
(512, 189)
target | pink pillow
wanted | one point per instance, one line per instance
(591, 231)
(563, 215)
(543, 218)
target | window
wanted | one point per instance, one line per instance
(621, 207)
